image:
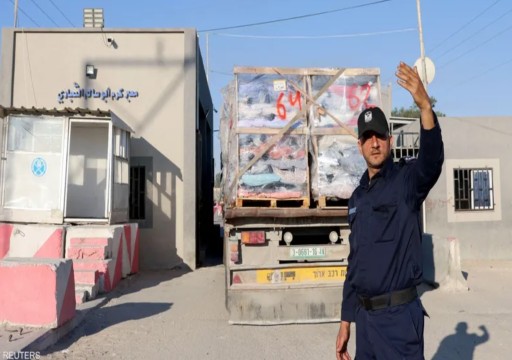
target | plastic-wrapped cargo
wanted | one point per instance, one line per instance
(257, 108)
(228, 143)
(337, 165)
(279, 174)
(352, 92)
(267, 100)
(337, 168)
(272, 118)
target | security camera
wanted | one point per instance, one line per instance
(111, 42)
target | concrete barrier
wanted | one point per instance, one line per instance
(131, 236)
(37, 292)
(5, 239)
(32, 241)
(441, 263)
(454, 280)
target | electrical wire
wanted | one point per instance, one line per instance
(476, 47)
(483, 73)
(27, 15)
(45, 13)
(294, 17)
(29, 70)
(464, 26)
(479, 31)
(316, 37)
(62, 13)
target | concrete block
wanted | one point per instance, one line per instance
(441, 262)
(37, 292)
(92, 235)
(34, 240)
(454, 281)
(87, 277)
(5, 239)
(109, 272)
(127, 251)
(131, 232)
(123, 245)
(88, 252)
(81, 296)
(435, 259)
(93, 241)
(90, 290)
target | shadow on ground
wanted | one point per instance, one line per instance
(101, 318)
(461, 345)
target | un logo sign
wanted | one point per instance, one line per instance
(39, 167)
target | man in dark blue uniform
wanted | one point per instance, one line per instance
(385, 261)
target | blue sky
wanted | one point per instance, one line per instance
(469, 41)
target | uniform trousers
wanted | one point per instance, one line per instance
(393, 333)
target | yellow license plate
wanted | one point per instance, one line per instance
(299, 275)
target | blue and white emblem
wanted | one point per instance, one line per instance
(39, 167)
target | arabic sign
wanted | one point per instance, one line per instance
(105, 95)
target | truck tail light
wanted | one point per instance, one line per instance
(253, 237)
(235, 255)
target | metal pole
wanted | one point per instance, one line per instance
(422, 46)
(425, 83)
(16, 13)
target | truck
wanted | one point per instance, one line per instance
(290, 162)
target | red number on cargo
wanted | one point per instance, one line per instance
(281, 110)
(297, 99)
(353, 100)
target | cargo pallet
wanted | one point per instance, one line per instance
(325, 202)
(273, 203)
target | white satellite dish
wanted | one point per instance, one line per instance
(431, 69)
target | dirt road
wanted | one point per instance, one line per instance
(181, 315)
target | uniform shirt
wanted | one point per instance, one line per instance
(384, 216)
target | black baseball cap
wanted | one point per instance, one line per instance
(372, 119)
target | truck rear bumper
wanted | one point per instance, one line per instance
(284, 305)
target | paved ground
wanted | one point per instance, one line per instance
(181, 315)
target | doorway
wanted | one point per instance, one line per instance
(87, 171)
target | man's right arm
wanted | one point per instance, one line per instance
(342, 341)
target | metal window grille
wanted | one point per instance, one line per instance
(407, 143)
(137, 192)
(473, 189)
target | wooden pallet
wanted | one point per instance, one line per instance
(273, 203)
(325, 202)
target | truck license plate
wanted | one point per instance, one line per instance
(307, 252)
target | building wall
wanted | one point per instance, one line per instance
(474, 142)
(161, 65)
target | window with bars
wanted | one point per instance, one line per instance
(473, 189)
(138, 192)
